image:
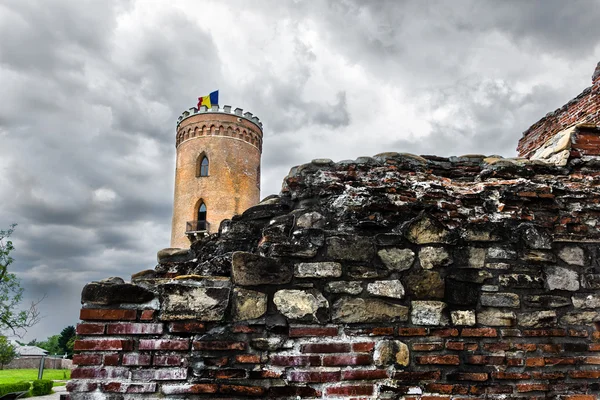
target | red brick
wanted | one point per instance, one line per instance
(90, 329)
(164, 344)
(483, 360)
(314, 376)
(534, 362)
(295, 361)
(510, 375)
(247, 359)
(531, 387)
(100, 373)
(545, 332)
(81, 386)
(325, 348)
(363, 347)
(514, 362)
(87, 359)
(578, 333)
(417, 376)
(186, 388)
(559, 361)
(161, 374)
(246, 329)
(364, 374)
(381, 331)
(186, 327)
(579, 397)
(103, 344)
(216, 361)
(591, 360)
(469, 376)
(218, 345)
(438, 360)
(356, 390)
(112, 359)
(528, 347)
(123, 387)
(455, 345)
(585, 374)
(134, 329)
(550, 348)
(91, 314)
(299, 331)
(427, 346)
(447, 332)
(348, 359)
(147, 315)
(254, 391)
(169, 360)
(136, 359)
(548, 375)
(412, 331)
(479, 332)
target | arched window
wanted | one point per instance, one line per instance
(202, 226)
(202, 165)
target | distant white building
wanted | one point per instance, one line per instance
(28, 351)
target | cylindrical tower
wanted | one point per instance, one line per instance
(218, 170)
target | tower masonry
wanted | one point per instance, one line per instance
(217, 170)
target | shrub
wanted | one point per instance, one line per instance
(41, 387)
(14, 387)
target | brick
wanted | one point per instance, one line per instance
(594, 360)
(510, 375)
(197, 388)
(544, 332)
(247, 359)
(313, 331)
(455, 345)
(479, 332)
(325, 348)
(100, 373)
(87, 359)
(162, 374)
(413, 331)
(219, 345)
(348, 359)
(364, 374)
(122, 387)
(292, 392)
(468, 376)
(147, 315)
(380, 331)
(169, 360)
(417, 376)
(427, 346)
(363, 347)
(550, 348)
(534, 362)
(91, 314)
(438, 360)
(254, 391)
(136, 359)
(579, 397)
(355, 390)
(548, 375)
(81, 386)
(531, 387)
(112, 359)
(103, 344)
(447, 332)
(559, 361)
(314, 376)
(186, 327)
(90, 329)
(134, 329)
(483, 360)
(585, 374)
(164, 344)
(242, 328)
(528, 347)
(295, 361)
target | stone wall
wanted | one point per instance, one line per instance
(583, 109)
(34, 363)
(392, 277)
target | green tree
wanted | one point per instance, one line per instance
(50, 344)
(63, 341)
(7, 352)
(11, 292)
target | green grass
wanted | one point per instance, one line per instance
(18, 375)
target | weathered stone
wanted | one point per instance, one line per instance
(392, 288)
(426, 230)
(432, 257)
(426, 284)
(475, 257)
(492, 317)
(538, 319)
(545, 301)
(502, 253)
(355, 310)
(174, 255)
(248, 304)
(311, 220)
(490, 288)
(396, 259)
(539, 256)
(470, 275)
(348, 287)
(389, 352)
(461, 293)
(481, 234)
(318, 270)
(521, 281)
(349, 248)
(144, 275)
(590, 281)
(463, 317)
(301, 305)
(250, 269)
(190, 301)
(115, 292)
(559, 278)
(586, 301)
(580, 318)
(293, 250)
(366, 272)
(267, 344)
(500, 300)
(572, 255)
(428, 313)
(536, 239)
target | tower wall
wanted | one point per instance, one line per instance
(232, 142)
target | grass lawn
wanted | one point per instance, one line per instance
(18, 375)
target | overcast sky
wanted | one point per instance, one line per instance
(91, 91)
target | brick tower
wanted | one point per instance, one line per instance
(218, 170)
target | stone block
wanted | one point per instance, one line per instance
(356, 310)
(425, 230)
(426, 284)
(307, 305)
(580, 318)
(174, 255)
(249, 269)
(536, 238)
(586, 300)
(396, 259)
(115, 291)
(318, 270)
(538, 319)
(492, 317)
(350, 248)
(390, 352)
(510, 300)
(463, 317)
(428, 313)
(311, 220)
(547, 301)
(559, 278)
(348, 287)
(572, 255)
(433, 257)
(503, 253)
(248, 304)
(392, 288)
(190, 301)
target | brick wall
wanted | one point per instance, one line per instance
(585, 108)
(392, 277)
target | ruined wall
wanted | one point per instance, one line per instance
(393, 277)
(583, 109)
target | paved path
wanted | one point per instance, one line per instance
(54, 396)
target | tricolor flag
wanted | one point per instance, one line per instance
(210, 100)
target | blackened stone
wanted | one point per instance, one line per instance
(389, 239)
(292, 392)
(521, 281)
(590, 281)
(105, 293)
(250, 269)
(535, 238)
(348, 248)
(461, 293)
(217, 266)
(293, 250)
(366, 272)
(356, 310)
(262, 211)
(470, 275)
(425, 284)
(545, 301)
(174, 255)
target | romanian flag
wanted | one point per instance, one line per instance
(209, 101)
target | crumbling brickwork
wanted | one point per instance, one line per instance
(392, 277)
